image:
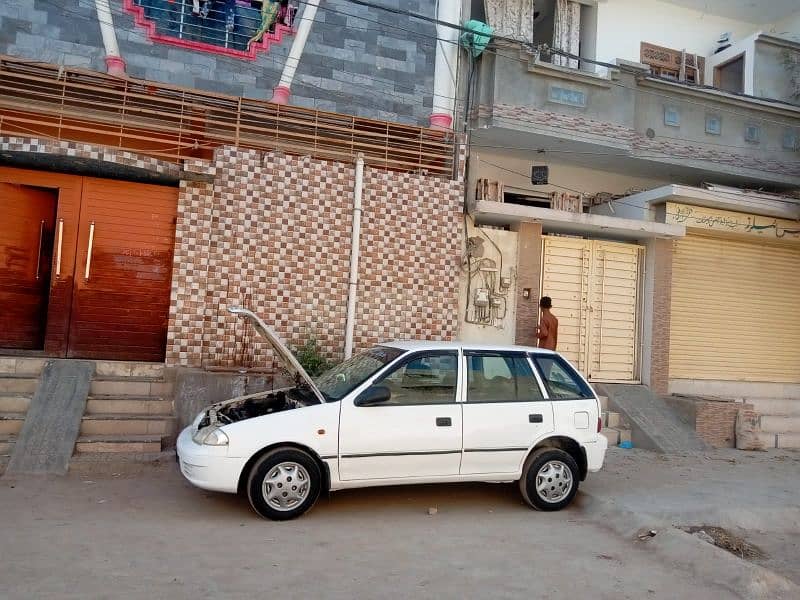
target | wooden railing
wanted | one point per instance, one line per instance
(173, 123)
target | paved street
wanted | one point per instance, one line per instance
(142, 532)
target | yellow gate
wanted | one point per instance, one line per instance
(735, 310)
(595, 290)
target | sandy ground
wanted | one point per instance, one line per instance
(141, 531)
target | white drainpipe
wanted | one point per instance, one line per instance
(444, 75)
(355, 238)
(284, 88)
(115, 65)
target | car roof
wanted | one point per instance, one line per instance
(409, 345)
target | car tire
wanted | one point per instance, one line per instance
(283, 484)
(549, 479)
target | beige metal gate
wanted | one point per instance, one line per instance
(595, 290)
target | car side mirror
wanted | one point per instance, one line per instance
(374, 394)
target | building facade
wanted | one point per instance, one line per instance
(357, 60)
(646, 155)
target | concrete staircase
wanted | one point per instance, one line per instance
(615, 429)
(129, 411)
(18, 380)
(779, 420)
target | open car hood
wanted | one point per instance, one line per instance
(283, 353)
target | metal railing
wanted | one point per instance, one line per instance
(226, 25)
(173, 123)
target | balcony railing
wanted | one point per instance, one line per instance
(230, 27)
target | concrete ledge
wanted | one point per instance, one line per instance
(501, 213)
(734, 389)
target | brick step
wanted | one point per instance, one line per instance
(12, 384)
(14, 403)
(11, 423)
(100, 424)
(616, 436)
(128, 405)
(124, 368)
(122, 444)
(130, 386)
(611, 419)
(7, 442)
(775, 406)
(780, 424)
(22, 366)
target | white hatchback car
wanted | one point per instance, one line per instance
(400, 413)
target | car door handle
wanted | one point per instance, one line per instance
(444, 421)
(535, 418)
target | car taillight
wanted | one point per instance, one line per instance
(599, 424)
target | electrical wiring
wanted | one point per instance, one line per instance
(255, 69)
(380, 81)
(528, 46)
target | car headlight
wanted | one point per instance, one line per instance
(211, 437)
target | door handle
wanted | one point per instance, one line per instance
(89, 251)
(535, 418)
(39, 254)
(444, 422)
(58, 246)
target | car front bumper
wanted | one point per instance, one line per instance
(596, 453)
(208, 467)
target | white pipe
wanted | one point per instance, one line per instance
(283, 90)
(115, 65)
(355, 239)
(444, 74)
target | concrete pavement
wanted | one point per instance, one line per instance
(143, 532)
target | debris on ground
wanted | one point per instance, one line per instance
(432, 511)
(646, 535)
(722, 538)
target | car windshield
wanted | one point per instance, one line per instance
(342, 379)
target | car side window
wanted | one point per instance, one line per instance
(493, 377)
(425, 378)
(561, 380)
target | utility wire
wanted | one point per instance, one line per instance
(535, 50)
(457, 100)
(524, 46)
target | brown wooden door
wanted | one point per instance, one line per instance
(27, 223)
(123, 271)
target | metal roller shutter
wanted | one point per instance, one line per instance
(735, 310)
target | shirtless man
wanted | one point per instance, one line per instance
(547, 331)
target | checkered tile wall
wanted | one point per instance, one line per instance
(273, 233)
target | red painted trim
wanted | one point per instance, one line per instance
(250, 54)
(281, 95)
(115, 65)
(441, 121)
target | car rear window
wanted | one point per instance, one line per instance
(560, 379)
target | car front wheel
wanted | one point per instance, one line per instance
(549, 479)
(283, 484)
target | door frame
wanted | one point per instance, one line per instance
(69, 189)
(347, 404)
(639, 302)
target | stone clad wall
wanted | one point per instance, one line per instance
(272, 233)
(358, 60)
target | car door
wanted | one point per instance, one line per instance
(416, 432)
(576, 410)
(505, 411)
